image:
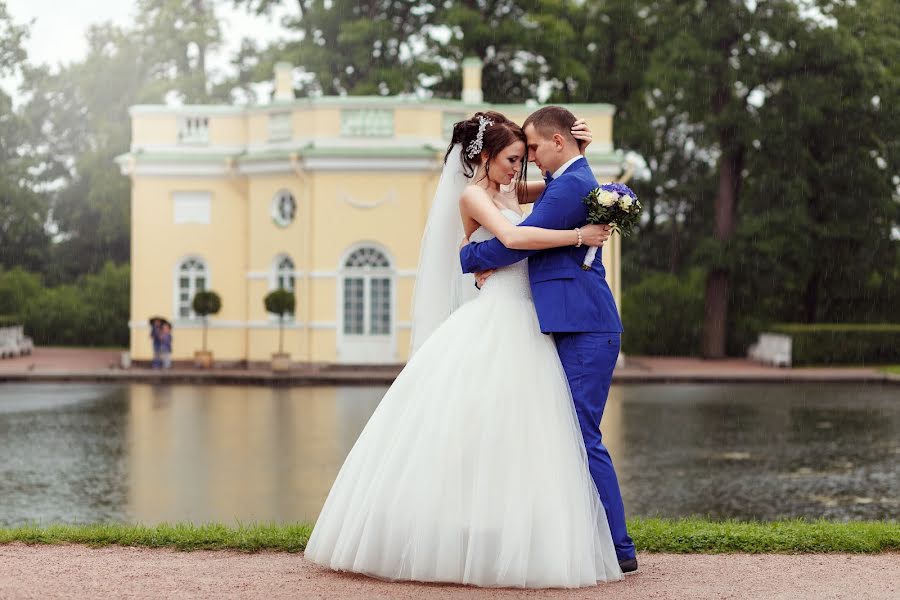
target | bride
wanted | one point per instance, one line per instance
(472, 469)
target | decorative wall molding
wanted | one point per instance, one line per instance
(389, 198)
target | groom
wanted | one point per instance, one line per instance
(574, 304)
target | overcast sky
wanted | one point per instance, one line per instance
(58, 28)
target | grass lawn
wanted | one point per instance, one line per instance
(893, 369)
(695, 536)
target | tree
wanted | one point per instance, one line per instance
(358, 48)
(204, 304)
(23, 210)
(81, 110)
(12, 38)
(280, 302)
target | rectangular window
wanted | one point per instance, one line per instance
(367, 122)
(192, 207)
(193, 130)
(353, 306)
(280, 127)
(380, 304)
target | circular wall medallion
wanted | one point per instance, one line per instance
(284, 208)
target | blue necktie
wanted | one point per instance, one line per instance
(548, 178)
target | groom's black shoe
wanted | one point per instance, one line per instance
(628, 566)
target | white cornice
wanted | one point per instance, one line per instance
(369, 164)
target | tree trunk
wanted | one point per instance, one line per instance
(204, 333)
(280, 334)
(715, 313)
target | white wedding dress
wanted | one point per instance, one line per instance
(472, 469)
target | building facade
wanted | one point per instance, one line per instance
(326, 197)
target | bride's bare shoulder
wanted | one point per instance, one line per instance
(473, 195)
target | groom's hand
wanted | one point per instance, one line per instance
(482, 276)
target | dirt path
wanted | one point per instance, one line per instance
(116, 572)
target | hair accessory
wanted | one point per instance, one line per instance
(477, 144)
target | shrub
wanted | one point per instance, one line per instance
(663, 314)
(280, 302)
(842, 343)
(205, 304)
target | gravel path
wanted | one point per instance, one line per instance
(69, 571)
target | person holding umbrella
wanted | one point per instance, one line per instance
(156, 326)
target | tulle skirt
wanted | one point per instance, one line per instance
(472, 469)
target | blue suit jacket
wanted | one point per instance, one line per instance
(567, 297)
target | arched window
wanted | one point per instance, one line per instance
(367, 288)
(283, 275)
(193, 277)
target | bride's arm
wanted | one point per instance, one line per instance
(476, 204)
(532, 190)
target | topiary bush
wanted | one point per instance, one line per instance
(204, 304)
(280, 302)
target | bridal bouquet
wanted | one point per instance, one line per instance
(615, 204)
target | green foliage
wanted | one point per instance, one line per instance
(183, 536)
(17, 288)
(12, 38)
(663, 314)
(206, 303)
(694, 536)
(9, 321)
(93, 311)
(280, 302)
(684, 536)
(845, 343)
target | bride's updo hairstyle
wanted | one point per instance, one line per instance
(494, 138)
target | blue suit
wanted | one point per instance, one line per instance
(577, 306)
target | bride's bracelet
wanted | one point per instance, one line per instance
(580, 239)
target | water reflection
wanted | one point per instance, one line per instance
(226, 453)
(88, 453)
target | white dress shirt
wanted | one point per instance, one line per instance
(565, 166)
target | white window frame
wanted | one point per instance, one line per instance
(192, 285)
(275, 205)
(367, 348)
(275, 273)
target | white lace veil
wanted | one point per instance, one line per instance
(440, 283)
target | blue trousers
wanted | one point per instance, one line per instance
(589, 360)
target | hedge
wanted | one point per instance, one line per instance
(823, 344)
(9, 321)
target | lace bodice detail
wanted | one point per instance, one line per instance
(512, 279)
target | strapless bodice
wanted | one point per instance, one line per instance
(512, 279)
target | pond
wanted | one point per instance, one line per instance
(77, 453)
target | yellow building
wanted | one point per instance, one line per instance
(325, 196)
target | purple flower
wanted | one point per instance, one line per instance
(621, 188)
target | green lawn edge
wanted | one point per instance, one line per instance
(687, 536)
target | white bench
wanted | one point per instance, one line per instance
(14, 342)
(772, 349)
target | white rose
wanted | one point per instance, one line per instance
(607, 199)
(625, 202)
